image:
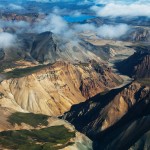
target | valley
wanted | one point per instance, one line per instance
(74, 76)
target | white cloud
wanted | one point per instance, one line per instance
(111, 31)
(53, 23)
(114, 1)
(7, 40)
(15, 7)
(104, 31)
(50, 1)
(122, 8)
(84, 27)
(76, 13)
(61, 12)
(56, 10)
(20, 26)
(41, 1)
(84, 2)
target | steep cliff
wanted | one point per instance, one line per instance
(136, 65)
(113, 118)
(53, 89)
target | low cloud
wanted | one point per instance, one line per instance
(56, 24)
(104, 31)
(84, 2)
(7, 40)
(15, 7)
(58, 11)
(123, 10)
(114, 1)
(66, 12)
(112, 32)
(84, 27)
(50, 1)
(19, 26)
(41, 1)
(53, 23)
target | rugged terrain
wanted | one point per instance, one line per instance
(48, 48)
(137, 65)
(69, 85)
(24, 130)
(53, 89)
(113, 117)
(137, 34)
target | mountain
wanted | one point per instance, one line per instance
(137, 34)
(136, 65)
(70, 80)
(133, 21)
(46, 47)
(111, 119)
(49, 48)
(53, 89)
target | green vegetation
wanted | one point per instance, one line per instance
(6, 64)
(82, 64)
(16, 73)
(52, 138)
(31, 119)
(21, 72)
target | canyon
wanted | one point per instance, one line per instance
(69, 84)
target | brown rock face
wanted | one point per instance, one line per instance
(137, 65)
(97, 115)
(54, 89)
(143, 69)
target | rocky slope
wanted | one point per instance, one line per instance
(137, 34)
(113, 118)
(136, 65)
(48, 48)
(53, 89)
